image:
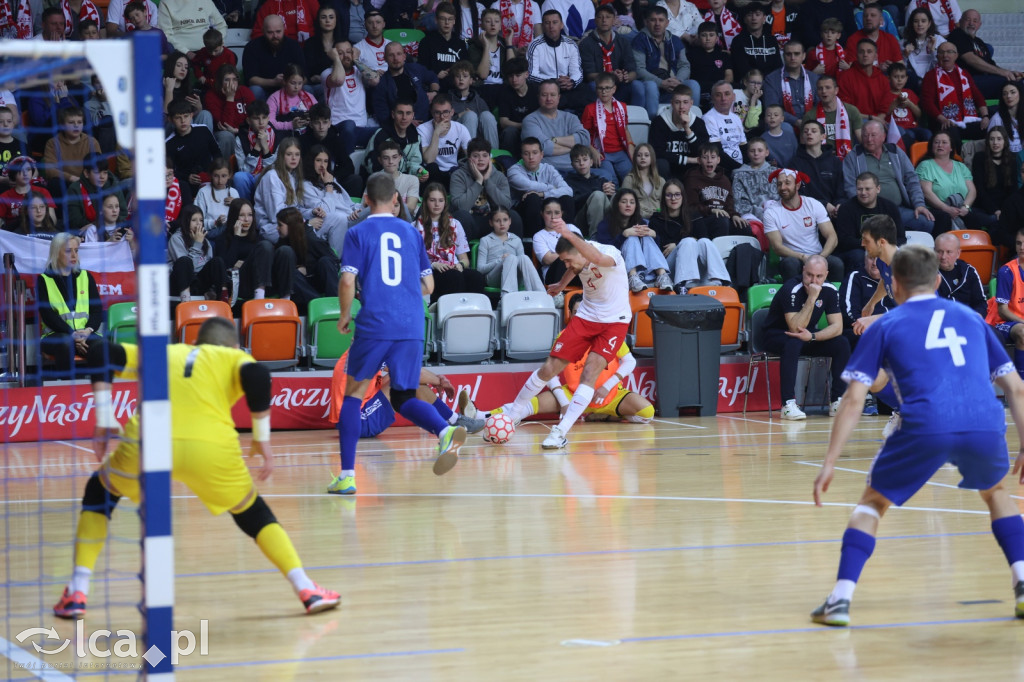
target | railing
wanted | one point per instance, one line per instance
(13, 331)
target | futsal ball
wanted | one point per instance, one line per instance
(498, 428)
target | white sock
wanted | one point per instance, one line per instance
(259, 293)
(580, 399)
(454, 418)
(80, 580)
(843, 590)
(1017, 568)
(300, 581)
(348, 472)
(532, 387)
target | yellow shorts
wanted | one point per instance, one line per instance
(216, 473)
(610, 409)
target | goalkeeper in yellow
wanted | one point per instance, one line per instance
(206, 380)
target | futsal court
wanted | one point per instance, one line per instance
(684, 549)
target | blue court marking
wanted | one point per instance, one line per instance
(815, 628)
(557, 555)
(344, 657)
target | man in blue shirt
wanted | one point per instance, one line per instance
(941, 357)
(387, 257)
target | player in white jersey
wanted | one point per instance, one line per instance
(599, 326)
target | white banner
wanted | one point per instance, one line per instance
(31, 254)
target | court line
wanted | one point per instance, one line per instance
(307, 659)
(935, 483)
(818, 628)
(29, 663)
(591, 553)
(689, 426)
(72, 445)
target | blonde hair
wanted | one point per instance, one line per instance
(292, 180)
(57, 245)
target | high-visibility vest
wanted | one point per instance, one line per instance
(1016, 304)
(78, 318)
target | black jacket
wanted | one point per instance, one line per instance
(672, 144)
(963, 284)
(826, 174)
(852, 215)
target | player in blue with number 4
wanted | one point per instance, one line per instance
(941, 359)
(387, 257)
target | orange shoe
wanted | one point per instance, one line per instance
(316, 600)
(70, 605)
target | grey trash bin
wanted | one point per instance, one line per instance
(687, 346)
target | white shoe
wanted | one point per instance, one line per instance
(556, 440)
(792, 412)
(833, 409)
(636, 284)
(891, 426)
(664, 282)
(466, 406)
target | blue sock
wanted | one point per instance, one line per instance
(1009, 532)
(443, 410)
(1018, 361)
(348, 431)
(857, 549)
(423, 416)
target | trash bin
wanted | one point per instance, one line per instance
(687, 346)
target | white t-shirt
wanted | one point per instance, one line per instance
(373, 55)
(726, 129)
(448, 146)
(799, 228)
(467, 19)
(544, 241)
(115, 13)
(494, 75)
(605, 290)
(347, 101)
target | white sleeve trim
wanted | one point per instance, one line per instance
(1003, 370)
(859, 377)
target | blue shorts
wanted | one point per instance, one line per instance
(375, 416)
(404, 360)
(1003, 330)
(907, 460)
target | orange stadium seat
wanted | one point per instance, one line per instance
(733, 334)
(643, 333)
(976, 249)
(189, 316)
(272, 332)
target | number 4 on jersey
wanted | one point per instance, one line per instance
(949, 339)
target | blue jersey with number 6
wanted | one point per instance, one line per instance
(388, 258)
(941, 358)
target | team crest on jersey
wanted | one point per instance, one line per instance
(558, 346)
(808, 221)
(817, 304)
(718, 63)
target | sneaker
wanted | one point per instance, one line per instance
(664, 282)
(342, 486)
(318, 599)
(833, 409)
(452, 438)
(556, 440)
(714, 282)
(471, 425)
(636, 285)
(892, 426)
(559, 300)
(70, 605)
(466, 405)
(679, 288)
(792, 412)
(870, 407)
(1018, 593)
(837, 613)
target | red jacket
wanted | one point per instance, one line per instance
(889, 49)
(930, 93)
(229, 113)
(205, 65)
(286, 9)
(870, 94)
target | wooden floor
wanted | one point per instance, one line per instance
(686, 549)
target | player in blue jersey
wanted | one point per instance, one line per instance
(941, 358)
(387, 257)
(878, 237)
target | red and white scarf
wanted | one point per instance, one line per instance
(305, 100)
(129, 26)
(521, 34)
(787, 92)
(621, 122)
(87, 207)
(844, 134)
(173, 206)
(820, 53)
(947, 9)
(606, 55)
(730, 27)
(949, 105)
(21, 27)
(88, 11)
(252, 145)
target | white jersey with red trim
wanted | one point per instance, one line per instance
(605, 289)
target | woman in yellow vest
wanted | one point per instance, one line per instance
(70, 310)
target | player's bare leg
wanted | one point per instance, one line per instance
(1008, 527)
(581, 398)
(858, 545)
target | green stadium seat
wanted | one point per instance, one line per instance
(760, 296)
(327, 344)
(122, 322)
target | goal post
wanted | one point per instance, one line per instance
(130, 73)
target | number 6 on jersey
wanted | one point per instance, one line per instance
(390, 259)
